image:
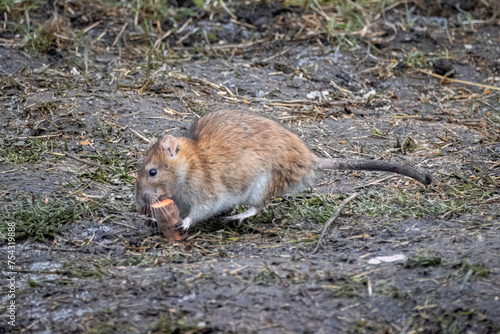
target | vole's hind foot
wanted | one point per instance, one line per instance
(252, 211)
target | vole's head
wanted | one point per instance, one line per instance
(156, 179)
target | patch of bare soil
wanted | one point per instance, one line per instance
(72, 129)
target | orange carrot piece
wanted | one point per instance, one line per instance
(165, 202)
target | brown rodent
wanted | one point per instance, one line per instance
(230, 158)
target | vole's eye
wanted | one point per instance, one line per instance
(152, 172)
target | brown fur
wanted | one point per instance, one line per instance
(231, 154)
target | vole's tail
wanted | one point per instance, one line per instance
(375, 165)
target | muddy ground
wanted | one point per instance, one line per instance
(73, 122)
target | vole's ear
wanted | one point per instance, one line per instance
(169, 143)
(152, 142)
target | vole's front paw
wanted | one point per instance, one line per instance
(150, 222)
(183, 224)
(178, 225)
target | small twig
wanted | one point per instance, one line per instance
(118, 223)
(487, 201)
(376, 182)
(11, 76)
(181, 29)
(119, 34)
(81, 160)
(41, 136)
(343, 91)
(281, 53)
(226, 46)
(92, 26)
(8, 171)
(139, 135)
(159, 40)
(233, 16)
(248, 25)
(332, 219)
(459, 81)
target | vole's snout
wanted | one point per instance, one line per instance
(143, 200)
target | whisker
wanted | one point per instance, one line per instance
(155, 215)
(165, 211)
(166, 214)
